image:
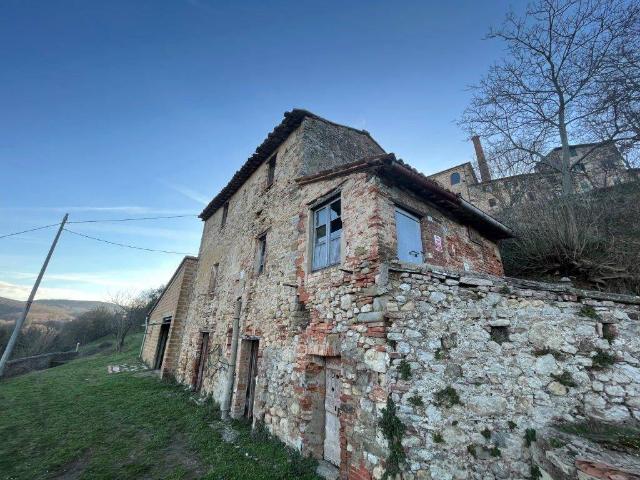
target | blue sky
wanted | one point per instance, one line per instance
(112, 109)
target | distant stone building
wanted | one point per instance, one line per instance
(165, 321)
(593, 166)
(332, 278)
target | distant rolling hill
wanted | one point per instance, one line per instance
(46, 310)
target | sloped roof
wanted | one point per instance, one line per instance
(188, 258)
(427, 188)
(280, 133)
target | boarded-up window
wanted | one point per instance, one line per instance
(327, 234)
(271, 171)
(262, 253)
(225, 212)
(409, 238)
(213, 279)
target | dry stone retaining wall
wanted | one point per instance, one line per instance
(518, 356)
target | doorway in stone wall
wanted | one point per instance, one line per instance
(332, 409)
(252, 372)
(203, 354)
(163, 336)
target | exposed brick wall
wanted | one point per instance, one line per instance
(173, 303)
(445, 241)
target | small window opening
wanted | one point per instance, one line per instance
(455, 178)
(225, 212)
(213, 279)
(271, 171)
(573, 152)
(262, 253)
(474, 236)
(499, 334)
(327, 234)
(531, 196)
(492, 202)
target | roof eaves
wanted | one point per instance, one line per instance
(173, 277)
(291, 121)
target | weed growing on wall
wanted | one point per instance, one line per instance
(565, 379)
(536, 474)
(404, 369)
(589, 312)
(602, 360)
(393, 430)
(529, 436)
(447, 397)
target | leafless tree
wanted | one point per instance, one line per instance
(36, 339)
(130, 311)
(570, 75)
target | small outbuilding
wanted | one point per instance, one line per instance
(165, 321)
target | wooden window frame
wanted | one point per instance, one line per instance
(327, 224)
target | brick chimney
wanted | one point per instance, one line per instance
(485, 175)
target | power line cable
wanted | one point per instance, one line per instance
(134, 219)
(125, 245)
(30, 230)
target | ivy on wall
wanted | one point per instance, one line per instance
(393, 430)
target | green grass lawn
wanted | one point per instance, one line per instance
(78, 422)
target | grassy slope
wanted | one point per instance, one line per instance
(76, 421)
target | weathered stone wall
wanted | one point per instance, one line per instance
(173, 303)
(518, 355)
(301, 317)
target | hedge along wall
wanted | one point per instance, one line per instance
(479, 360)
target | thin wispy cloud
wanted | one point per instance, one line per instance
(122, 209)
(85, 286)
(181, 235)
(21, 292)
(188, 192)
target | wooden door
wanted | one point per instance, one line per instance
(251, 379)
(162, 345)
(202, 361)
(332, 409)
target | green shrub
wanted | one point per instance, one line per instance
(416, 401)
(438, 438)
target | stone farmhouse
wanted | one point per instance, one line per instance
(593, 166)
(335, 283)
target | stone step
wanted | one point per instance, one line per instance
(327, 471)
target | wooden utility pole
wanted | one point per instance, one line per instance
(16, 330)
